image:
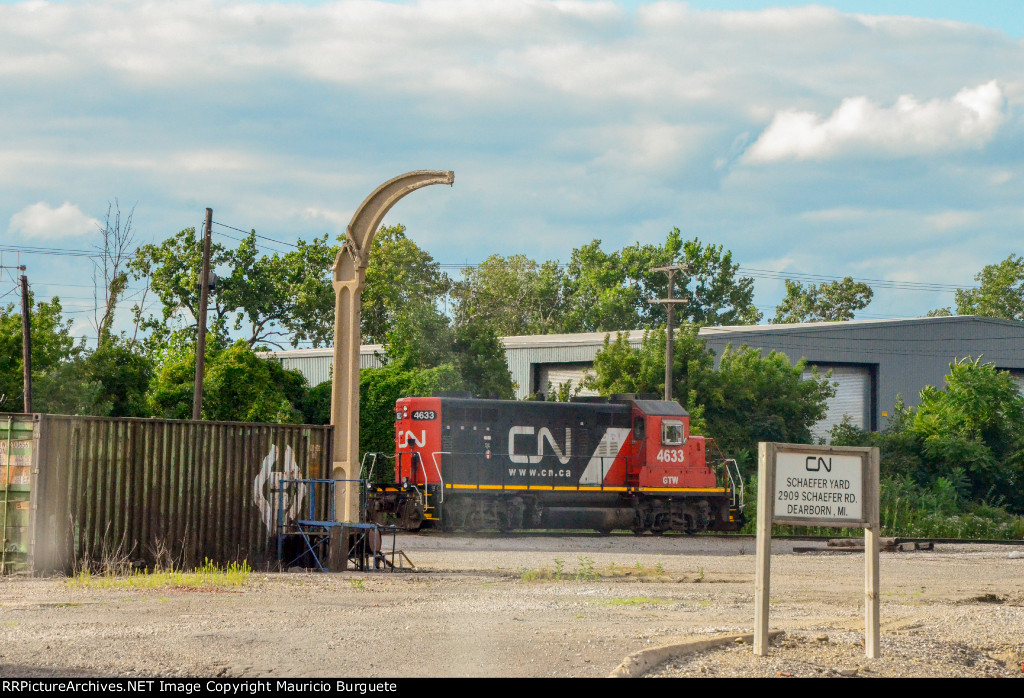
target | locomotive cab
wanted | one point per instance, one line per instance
(665, 454)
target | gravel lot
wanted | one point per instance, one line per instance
(480, 606)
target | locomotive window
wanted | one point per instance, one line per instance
(638, 428)
(672, 432)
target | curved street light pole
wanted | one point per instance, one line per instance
(349, 277)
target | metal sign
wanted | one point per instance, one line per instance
(819, 489)
(805, 485)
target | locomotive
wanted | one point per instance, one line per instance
(625, 463)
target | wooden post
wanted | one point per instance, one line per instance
(204, 289)
(872, 629)
(336, 555)
(26, 342)
(763, 571)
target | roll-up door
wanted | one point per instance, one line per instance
(1017, 375)
(554, 375)
(853, 397)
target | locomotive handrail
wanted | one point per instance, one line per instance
(735, 482)
(739, 502)
(437, 469)
(373, 464)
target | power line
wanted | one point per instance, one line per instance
(253, 232)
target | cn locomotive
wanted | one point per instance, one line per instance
(495, 464)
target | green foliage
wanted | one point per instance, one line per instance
(513, 295)
(422, 337)
(830, 302)
(762, 398)
(69, 388)
(1000, 292)
(209, 575)
(612, 291)
(239, 386)
(976, 424)
(379, 388)
(399, 273)
(316, 404)
(968, 437)
(271, 297)
(52, 347)
(123, 374)
(480, 359)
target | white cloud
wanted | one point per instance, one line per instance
(861, 127)
(952, 220)
(42, 222)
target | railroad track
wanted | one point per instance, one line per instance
(720, 536)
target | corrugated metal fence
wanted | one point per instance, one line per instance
(152, 490)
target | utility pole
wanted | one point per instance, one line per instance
(26, 341)
(671, 302)
(204, 289)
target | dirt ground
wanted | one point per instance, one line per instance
(489, 606)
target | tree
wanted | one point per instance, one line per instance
(513, 295)
(750, 398)
(614, 291)
(976, 424)
(1000, 293)
(763, 398)
(272, 297)
(123, 373)
(827, 302)
(423, 338)
(52, 346)
(399, 272)
(239, 386)
(480, 360)
(110, 275)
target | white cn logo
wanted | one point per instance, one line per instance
(407, 437)
(542, 435)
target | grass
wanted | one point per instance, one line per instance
(208, 576)
(587, 571)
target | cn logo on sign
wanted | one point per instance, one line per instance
(814, 464)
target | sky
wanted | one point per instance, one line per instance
(878, 140)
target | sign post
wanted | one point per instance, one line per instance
(803, 485)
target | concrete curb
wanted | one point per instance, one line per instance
(640, 662)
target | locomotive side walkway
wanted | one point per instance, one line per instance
(536, 606)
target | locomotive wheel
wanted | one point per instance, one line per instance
(474, 521)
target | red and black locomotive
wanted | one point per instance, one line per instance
(473, 464)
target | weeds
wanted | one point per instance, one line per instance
(633, 601)
(585, 570)
(357, 584)
(207, 576)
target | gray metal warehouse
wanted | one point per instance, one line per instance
(872, 361)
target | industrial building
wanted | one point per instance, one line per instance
(872, 361)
